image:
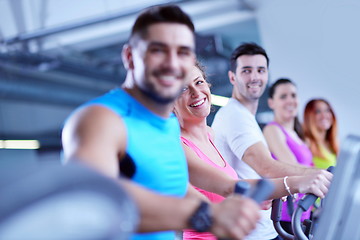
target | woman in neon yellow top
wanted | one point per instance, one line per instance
(320, 129)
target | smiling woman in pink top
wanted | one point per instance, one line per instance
(284, 135)
(192, 108)
(209, 172)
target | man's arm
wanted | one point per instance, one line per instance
(235, 217)
(258, 157)
(159, 212)
(210, 179)
(97, 137)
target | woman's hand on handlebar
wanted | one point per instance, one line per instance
(317, 183)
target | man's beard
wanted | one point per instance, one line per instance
(151, 93)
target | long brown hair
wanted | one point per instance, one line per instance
(312, 133)
(297, 125)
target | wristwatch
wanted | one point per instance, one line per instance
(201, 220)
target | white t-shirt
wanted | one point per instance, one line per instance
(236, 130)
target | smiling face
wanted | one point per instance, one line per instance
(250, 77)
(323, 116)
(195, 100)
(284, 102)
(161, 62)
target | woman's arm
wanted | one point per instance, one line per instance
(207, 177)
(276, 141)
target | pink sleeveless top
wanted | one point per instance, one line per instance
(304, 157)
(213, 197)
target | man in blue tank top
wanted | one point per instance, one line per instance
(132, 132)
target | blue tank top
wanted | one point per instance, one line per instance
(154, 145)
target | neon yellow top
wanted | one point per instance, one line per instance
(327, 161)
(324, 163)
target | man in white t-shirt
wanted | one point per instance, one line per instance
(238, 135)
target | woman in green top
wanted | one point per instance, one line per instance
(320, 129)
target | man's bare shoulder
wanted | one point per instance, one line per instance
(94, 133)
(94, 115)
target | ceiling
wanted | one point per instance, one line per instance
(55, 55)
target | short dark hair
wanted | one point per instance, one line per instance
(159, 14)
(249, 48)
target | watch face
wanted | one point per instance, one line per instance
(202, 224)
(201, 221)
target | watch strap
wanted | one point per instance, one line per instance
(201, 220)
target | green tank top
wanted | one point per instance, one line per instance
(327, 161)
